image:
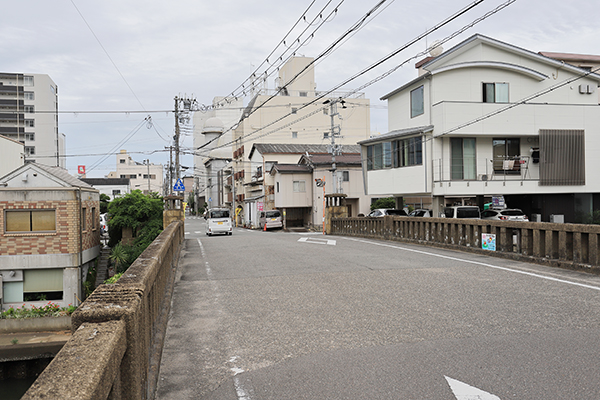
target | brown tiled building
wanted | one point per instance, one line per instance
(49, 235)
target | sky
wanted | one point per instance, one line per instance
(118, 62)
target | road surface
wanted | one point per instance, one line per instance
(275, 315)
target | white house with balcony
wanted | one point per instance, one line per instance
(485, 119)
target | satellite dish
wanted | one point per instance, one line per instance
(436, 49)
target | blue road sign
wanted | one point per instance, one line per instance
(179, 186)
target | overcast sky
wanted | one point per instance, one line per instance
(136, 56)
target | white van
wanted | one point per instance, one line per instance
(462, 212)
(270, 219)
(218, 220)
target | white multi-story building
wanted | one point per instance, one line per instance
(487, 119)
(294, 113)
(143, 176)
(29, 114)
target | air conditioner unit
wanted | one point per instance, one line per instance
(482, 177)
(557, 218)
(536, 217)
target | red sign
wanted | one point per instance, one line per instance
(81, 169)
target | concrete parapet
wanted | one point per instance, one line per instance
(573, 246)
(87, 367)
(139, 303)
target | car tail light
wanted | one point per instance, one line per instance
(503, 218)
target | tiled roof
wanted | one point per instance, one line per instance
(63, 175)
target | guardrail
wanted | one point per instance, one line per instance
(572, 246)
(118, 332)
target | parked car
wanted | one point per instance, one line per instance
(103, 223)
(381, 212)
(218, 220)
(270, 219)
(421, 212)
(505, 214)
(462, 212)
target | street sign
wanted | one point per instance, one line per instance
(179, 186)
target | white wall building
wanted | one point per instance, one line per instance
(12, 155)
(144, 176)
(34, 99)
(295, 113)
(488, 118)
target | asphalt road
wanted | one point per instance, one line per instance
(274, 315)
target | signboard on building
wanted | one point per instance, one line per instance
(81, 169)
(259, 205)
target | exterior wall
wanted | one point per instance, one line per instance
(135, 172)
(11, 155)
(286, 197)
(68, 248)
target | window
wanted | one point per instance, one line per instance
(303, 94)
(83, 219)
(299, 186)
(30, 136)
(345, 176)
(29, 109)
(30, 150)
(277, 187)
(122, 161)
(294, 135)
(462, 159)
(123, 176)
(133, 176)
(43, 284)
(495, 92)
(417, 102)
(30, 221)
(294, 110)
(407, 152)
(94, 219)
(152, 176)
(29, 123)
(506, 154)
(29, 96)
(28, 81)
(387, 154)
(116, 192)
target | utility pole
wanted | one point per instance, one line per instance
(188, 105)
(333, 148)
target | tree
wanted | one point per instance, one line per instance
(104, 200)
(386, 202)
(143, 214)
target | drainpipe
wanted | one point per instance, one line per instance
(80, 256)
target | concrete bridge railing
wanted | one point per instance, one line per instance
(572, 246)
(118, 332)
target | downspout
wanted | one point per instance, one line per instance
(80, 256)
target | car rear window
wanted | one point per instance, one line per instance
(471, 212)
(219, 214)
(396, 212)
(273, 214)
(512, 212)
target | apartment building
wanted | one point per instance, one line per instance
(294, 113)
(486, 119)
(144, 176)
(29, 114)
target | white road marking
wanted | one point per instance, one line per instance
(462, 391)
(197, 231)
(241, 392)
(330, 242)
(479, 263)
